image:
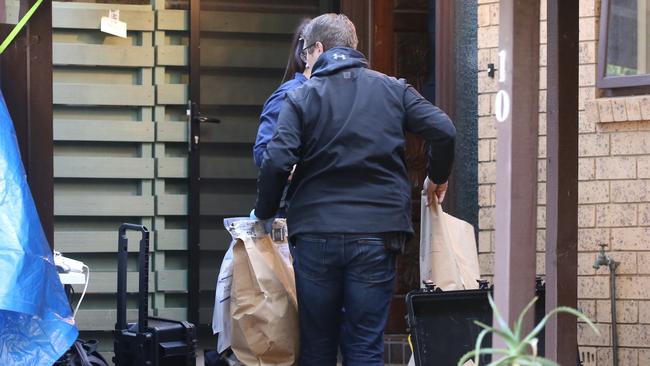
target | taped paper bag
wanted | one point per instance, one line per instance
(221, 318)
(263, 300)
(448, 254)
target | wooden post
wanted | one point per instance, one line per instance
(516, 109)
(562, 178)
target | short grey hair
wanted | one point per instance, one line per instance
(332, 30)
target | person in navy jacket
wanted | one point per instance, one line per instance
(300, 72)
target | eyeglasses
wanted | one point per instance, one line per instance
(303, 52)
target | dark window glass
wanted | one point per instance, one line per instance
(628, 38)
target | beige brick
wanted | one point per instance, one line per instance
(483, 15)
(630, 190)
(643, 166)
(542, 10)
(617, 127)
(587, 29)
(590, 239)
(540, 263)
(586, 264)
(487, 84)
(604, 357)
(487, 172)
(630, 143)
(616, 215)
(637, 335)
(644, 356)
(542, 100)
(484, 107)
(540, 243)
(586, 216)
(591, 111)
(585, 125)
(593, 287)
(587, 8)
(541, 217)
(541, 147)
(644, 312)
(587, 169)
(493, 150)
(542, 78)
(588, 307)
(593, 192)
(633, 108)
(483, 58)
(644, 214)
(543, 32)
(605, 112)
(494, 14)
(587, 52)
(618, 109)
(628, 357)
(488, 37)
(484, 192)
(541, 124)
(593, 145)
(616, 167)
(487, 127)
(543, 55)
(493, 195)
(541, 193)
(585, 93)
(631, 238)
(587, 75)
(633, 287)
(541, 170)
(486, 263)
(484, 150)
(627, 311)
(643, 262)
(587, 337)
(484, 241)
(627, 262)
(644, 102)
(486, 218)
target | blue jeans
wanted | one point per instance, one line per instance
(345, 284)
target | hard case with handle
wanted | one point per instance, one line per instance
(150, 341)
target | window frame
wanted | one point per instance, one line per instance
(611, 82)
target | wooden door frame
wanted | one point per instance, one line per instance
(26, 81)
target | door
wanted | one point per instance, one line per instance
(238, 53)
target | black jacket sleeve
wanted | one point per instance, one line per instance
(431, 123)
(282, 152)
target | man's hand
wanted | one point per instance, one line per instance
(437, 190)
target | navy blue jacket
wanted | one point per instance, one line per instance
(270, 113)
(345, 128)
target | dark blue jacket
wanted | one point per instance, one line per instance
(346, 128)
(270, 113)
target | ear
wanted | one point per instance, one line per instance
(319, 47)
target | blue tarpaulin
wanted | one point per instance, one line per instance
(36, 324)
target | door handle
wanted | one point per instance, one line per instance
(194, 116)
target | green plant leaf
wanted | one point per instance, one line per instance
(501, 322)
(520, 319)
(561, 309)
(483, 351)
(506, 336)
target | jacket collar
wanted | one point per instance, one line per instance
(337, 59)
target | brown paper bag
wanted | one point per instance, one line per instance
(263, 304)
(448, 253)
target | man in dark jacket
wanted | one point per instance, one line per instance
(350, 195)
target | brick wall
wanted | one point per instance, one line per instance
(614, 190)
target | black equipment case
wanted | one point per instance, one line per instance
(442, 326)
(151, 341)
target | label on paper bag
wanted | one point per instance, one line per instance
(112, 24)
